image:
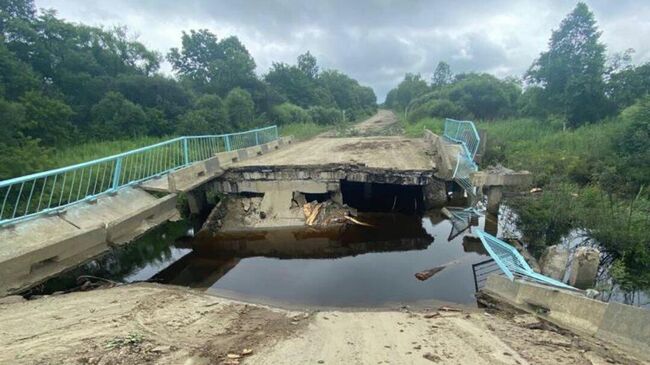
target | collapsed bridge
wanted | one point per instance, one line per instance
(58, 219)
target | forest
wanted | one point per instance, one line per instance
(65, 84)
(579, 120)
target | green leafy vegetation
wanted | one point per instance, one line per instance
(579, 122)
(65, 84)
(303, 131)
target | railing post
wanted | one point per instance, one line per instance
(275, 127)
(227, 140)
(116, 174)
(257, 138)
(186, 152)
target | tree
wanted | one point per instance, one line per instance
(346, 91)
(162, 93)
(240, 109)
(16, 77)
(628, 85)
(293, 84)
(571, 71)
(18, 154)
(24, 10)
(484, 96)
(442, 75)
(307, 64)
(210, 65)
(47, 119)
(410, 88)
(116, 117)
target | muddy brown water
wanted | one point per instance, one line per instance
(340, 266)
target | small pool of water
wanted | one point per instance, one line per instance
(343, 266)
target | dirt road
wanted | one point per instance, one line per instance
(154, 324)
(381, 122)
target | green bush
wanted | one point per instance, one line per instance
(301, 131)
(633, 144)
(287, 113)
(325, 116)
(438, 108)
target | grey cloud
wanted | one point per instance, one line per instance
(375, 41)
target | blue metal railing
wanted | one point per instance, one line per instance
(512, 263)
(464, 167)
(463, 132)
(51, 191)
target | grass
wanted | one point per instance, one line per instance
(540, 146)
(413, 130)
(302, 131)
(98, 149)
(94, 150)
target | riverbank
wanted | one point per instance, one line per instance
(155, 324)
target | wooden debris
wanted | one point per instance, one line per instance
(356, 221)
(246, 352)
(431, 315)
(424, 275)
(445, 308)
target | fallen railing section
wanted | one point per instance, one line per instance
(482, 270)
(52, 191)
(511, 263)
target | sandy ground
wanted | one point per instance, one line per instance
(154, 324)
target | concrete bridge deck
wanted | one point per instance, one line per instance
(394, 153)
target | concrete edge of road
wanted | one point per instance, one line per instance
(445, 163)
(621, 324)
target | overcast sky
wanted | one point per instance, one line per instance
(374, 41)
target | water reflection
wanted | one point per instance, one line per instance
(346, 266)
(339, 266)
(137, 261)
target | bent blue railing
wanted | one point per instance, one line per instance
(464, 133)
(51, 191)
(511, 263)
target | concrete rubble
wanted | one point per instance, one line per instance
(584, 267)
(554, 261)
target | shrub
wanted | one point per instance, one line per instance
(438, 108)
(287, 113)
(325, 116)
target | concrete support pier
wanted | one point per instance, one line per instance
(495, 180)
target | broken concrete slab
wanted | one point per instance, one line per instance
(554, 262)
